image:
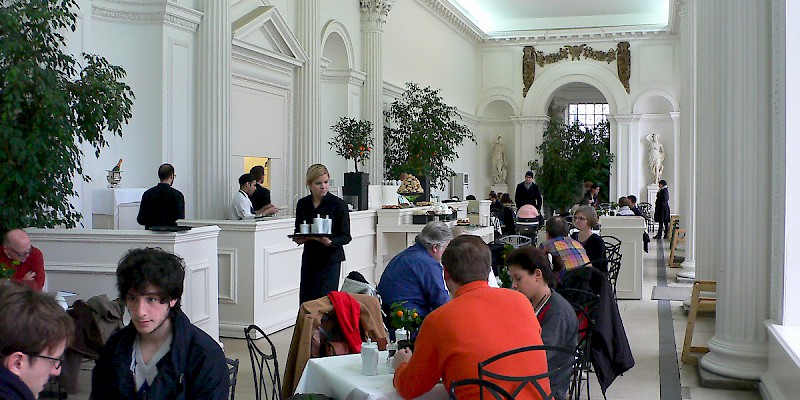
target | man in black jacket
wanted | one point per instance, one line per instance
(528, 193)
(162, 204)
(34, 330)
(160, 354)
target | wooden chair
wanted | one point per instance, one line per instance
(698, 304)
(678, 236)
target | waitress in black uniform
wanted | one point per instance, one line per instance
(322, 255)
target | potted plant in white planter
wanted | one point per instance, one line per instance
(353, 141)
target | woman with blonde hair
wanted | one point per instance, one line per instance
(323, 254)
(585, 219)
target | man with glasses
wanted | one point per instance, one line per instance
(162, 205)
(27, 260)
(415, 274)
(34, 331)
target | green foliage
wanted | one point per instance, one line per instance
(426, 135)
(7, 271)
(353, 139)
(505, 275)
(50, 107)
(403, 317)
(570, 155)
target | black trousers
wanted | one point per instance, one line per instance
(318, 280)
(661, 228)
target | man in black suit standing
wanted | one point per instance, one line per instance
(162, 205)
(662, 212)
(528, 193)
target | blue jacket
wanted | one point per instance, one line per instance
(194, 367)
(416, 277)
(12, 388)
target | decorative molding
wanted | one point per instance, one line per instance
(82, 268)
(531, 58)
(462, 25)
(392, 90)
(194, 269)
(350, 76)
(283, 53)
(233, 260)
(376, 10)
(448, 14)
(170, 14)
(334, 26)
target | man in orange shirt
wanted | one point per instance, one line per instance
(478, 323)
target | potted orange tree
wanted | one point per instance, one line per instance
(353, 141)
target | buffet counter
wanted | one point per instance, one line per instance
(259, 269)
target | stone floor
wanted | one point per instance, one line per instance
(641, 321)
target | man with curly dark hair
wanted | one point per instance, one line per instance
(160, 354)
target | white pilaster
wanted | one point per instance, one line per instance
(373, 16)
(213, 110)
(528, 135)
(734, 114)
(624, 176)
(688, 155)
(308, 138)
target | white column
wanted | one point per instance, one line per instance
(373, 16)
(688, 155)
(623, 174)
(308, 138)
(733, 146)
(213, 110)
(528, 135)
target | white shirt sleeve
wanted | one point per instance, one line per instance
(241, 206)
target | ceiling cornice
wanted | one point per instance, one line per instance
(459, 22)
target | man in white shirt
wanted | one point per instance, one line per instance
(241, 207)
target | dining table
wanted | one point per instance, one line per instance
(340, 377)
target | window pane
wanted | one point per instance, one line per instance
(590, 121)
(573, 108)
(605, 108)
(581, 108)
(598, 108)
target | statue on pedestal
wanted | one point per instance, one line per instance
(656, 156)
(498, 162)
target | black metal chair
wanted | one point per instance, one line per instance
(484, 370)
(614, 256)
(647, 212)
(233, 373)
(492, 388)
(265, 364)
(585, 305)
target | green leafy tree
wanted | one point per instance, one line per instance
(353, 139)
(49, 107)
(570, 155)
(423, 135)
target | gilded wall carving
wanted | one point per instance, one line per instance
(531, 57)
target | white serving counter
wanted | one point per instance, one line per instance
(629, 230)
(395, 232)
(84, 261)
(259, 269)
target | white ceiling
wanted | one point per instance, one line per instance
(507, 16)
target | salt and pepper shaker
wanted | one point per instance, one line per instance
(369, 358)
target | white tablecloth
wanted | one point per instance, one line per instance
(340, 378)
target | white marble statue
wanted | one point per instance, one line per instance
(498, 162)
(656, 156)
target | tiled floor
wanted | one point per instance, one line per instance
(641, 323)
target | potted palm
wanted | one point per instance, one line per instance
(353, 141)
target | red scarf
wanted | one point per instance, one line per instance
(348, 313)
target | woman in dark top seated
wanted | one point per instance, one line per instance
(585, 219)
(508, 215)
(531, 275)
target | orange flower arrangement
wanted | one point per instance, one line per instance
(402, 317)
